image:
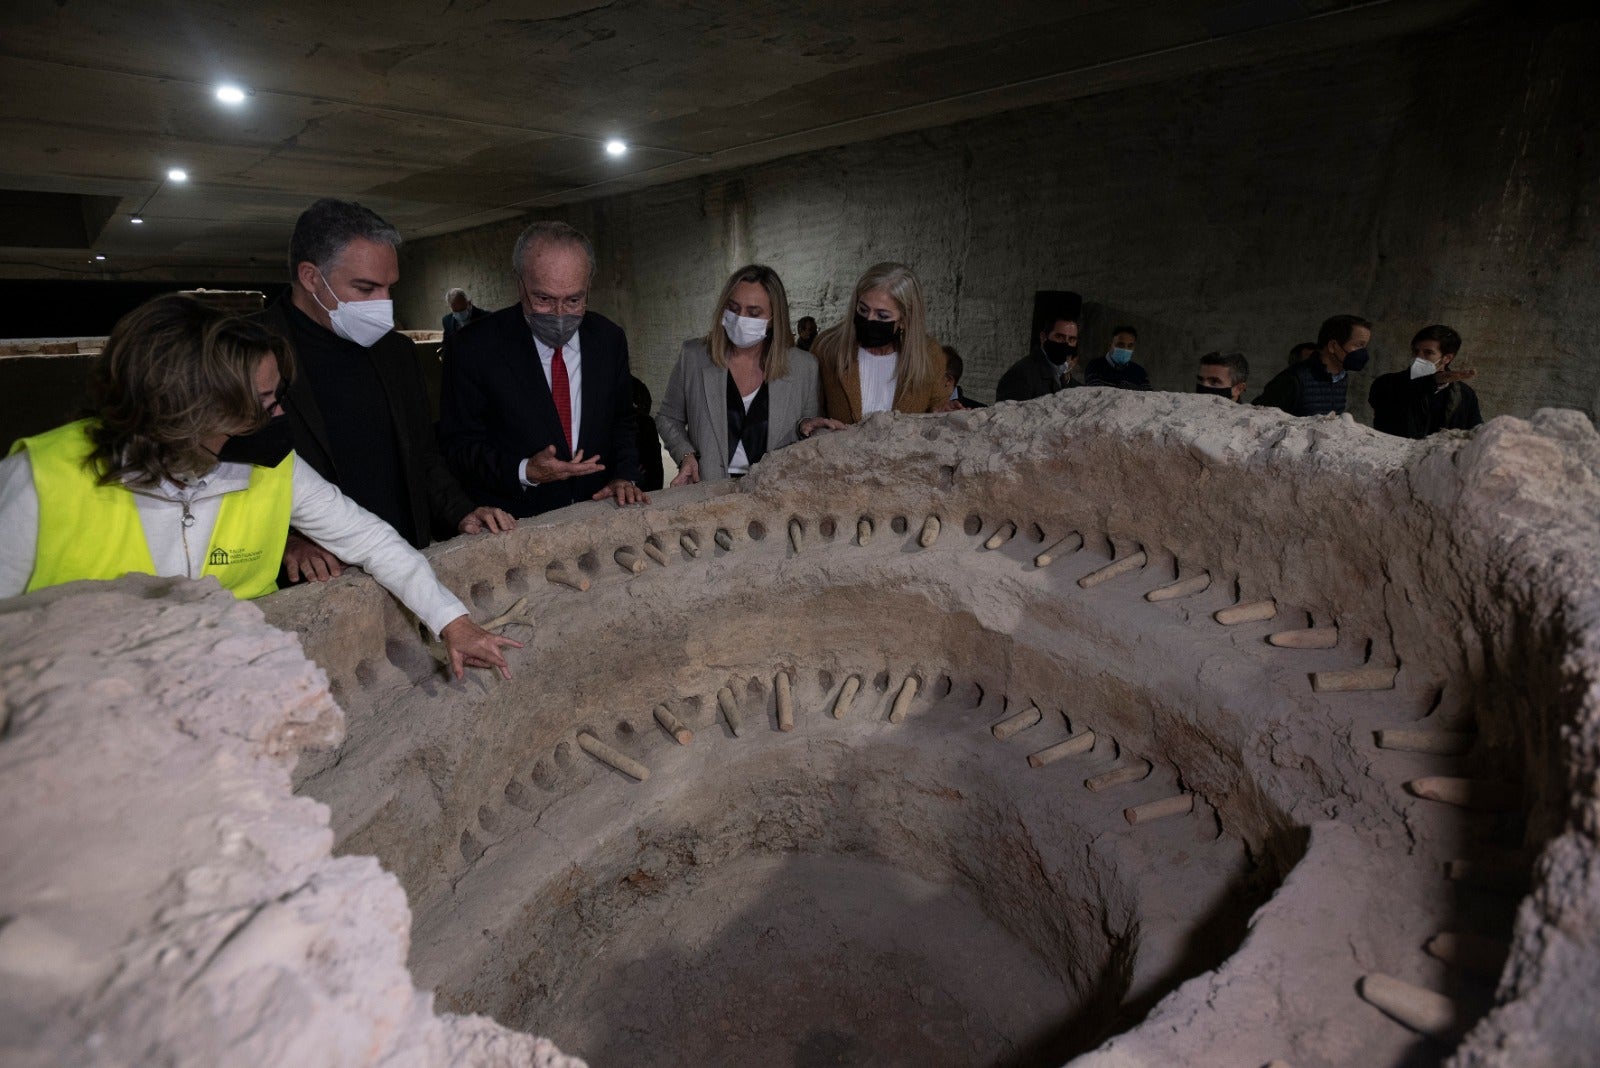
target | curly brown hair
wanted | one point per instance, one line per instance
(175, 372)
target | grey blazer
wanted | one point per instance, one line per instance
(694, 414)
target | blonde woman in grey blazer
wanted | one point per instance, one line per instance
(743, 390)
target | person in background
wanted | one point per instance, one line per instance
(358, 406)
(1318, 385)
(1116, 368)
(1223, 375)
(805, 333)
(954, 367)
(881, 358)
(1053, 351)
(1300, 352)
(1429, 396)
(462, 311)
(187, 470)
(536, 409)
(653, 474)
(742, 390)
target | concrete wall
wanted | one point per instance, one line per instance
(1446, 178)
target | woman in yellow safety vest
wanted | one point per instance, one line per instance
(187, 470)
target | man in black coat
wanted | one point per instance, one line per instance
(357, 403)
(536, 410)
(1428, 396)
(462, 311)
(1318, 385)
(1053, 350)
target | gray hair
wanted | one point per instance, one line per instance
(1238, 367)
(454, 293)
(548, 231)
(326, 227)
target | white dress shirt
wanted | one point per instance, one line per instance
(318, 510)
(573, 358)
(739, 463)
(877, 380)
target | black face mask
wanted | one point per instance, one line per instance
(1215, 391)
(875, 333)
(1355, 359)
(1058, 352)
(266, 447)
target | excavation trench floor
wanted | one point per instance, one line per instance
(811, 961)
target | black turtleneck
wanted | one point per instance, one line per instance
(357, 419)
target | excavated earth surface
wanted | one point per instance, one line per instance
(246, 840)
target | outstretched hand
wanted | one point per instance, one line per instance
(469, 645)
(546, 467)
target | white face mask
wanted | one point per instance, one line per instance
(744, 331)
(361, 321)
(1421, 368)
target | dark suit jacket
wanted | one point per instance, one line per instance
(438, 502)
(495, 411)
(1030, 377)
(450, 326)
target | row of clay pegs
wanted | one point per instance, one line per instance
(1417, 1007)
(1134, 770)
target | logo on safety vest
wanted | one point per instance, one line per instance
(224, 557)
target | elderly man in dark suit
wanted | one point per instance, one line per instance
(536, 411)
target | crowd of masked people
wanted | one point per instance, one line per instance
(286, 446)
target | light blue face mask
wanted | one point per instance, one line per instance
(461, 316)
(1120, 357)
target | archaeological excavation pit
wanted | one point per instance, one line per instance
(1108, 728)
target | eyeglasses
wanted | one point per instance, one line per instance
(544, 302)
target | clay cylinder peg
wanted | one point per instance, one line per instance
(673, 725)
(559, 574)
(1448, 743)
(653, 551)
(1419, 1009)
(1127, 565)
(1352, 680)
(1117, 776)
(514, 614)
(1250, 612)
(1481, 795)
(1471, 953)
(1017, 723)
(797, 534)
(1177, 805)
(902, 700)
(607, 755)
(730, 709)
(690, 543)
(1069, 544)
(1007, 531)
(1182, 588)
(785, 701)
(1307, 638)
(1078, 743)
(930, 532)
(863, 530)
(841, 707)
(628, 560)
(725, 540)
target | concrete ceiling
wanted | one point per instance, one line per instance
(454, 113)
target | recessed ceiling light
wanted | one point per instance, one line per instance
(137, 220)
(614, 147)
(177, 174)
(230, 94)
(99, 255)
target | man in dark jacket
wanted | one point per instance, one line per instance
(1426, 397)
(462, 311)
(357, 403)
(954, 368)
(1318, 384)
(1053, 350)
(1116, 368)
(536, 410)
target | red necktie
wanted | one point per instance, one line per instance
(563, 396)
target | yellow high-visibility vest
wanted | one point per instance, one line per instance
(90, 531)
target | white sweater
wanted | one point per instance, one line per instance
(318, 510)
